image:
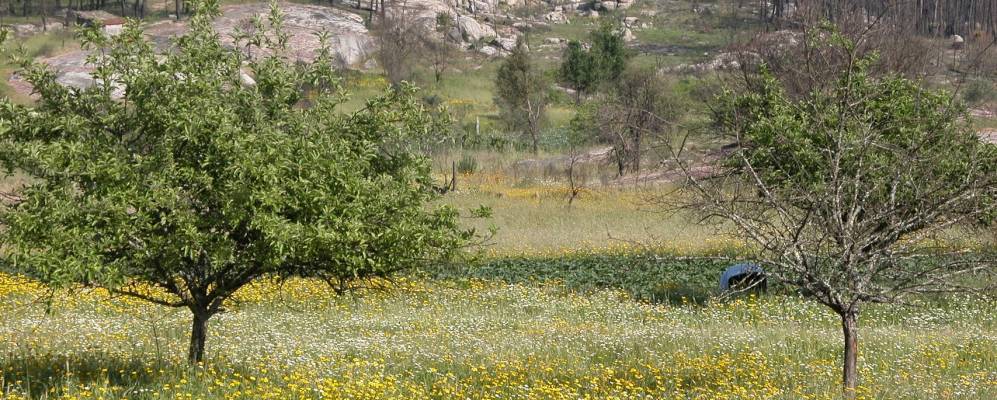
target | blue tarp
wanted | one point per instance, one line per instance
(736, 270)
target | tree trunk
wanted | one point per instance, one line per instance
(533, 122)
(198, 334)
(849, 326)
(453, 176)
(44, 16)
(536, 142)
(69, 9)
(621, 162)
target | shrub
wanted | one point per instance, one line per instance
(978, 91)
(467, 164)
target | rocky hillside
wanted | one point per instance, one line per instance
(475, 28)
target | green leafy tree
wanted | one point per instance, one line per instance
(174, 173)
(578, 69)
(522, 93)
(585, 69)
(843, 191)
(609, 52)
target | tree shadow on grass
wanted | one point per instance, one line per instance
(38, 374)
(48, 375)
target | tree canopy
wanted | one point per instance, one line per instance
(522, 93)
(200, 170)
(843, 191)
(609, 51)
(584, 69)
(578, 69)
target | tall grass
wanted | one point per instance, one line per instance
(537, 218)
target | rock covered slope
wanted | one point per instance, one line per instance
(353, 46)
(350, 41)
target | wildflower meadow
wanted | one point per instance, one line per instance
(491, 336)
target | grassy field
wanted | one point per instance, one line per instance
(481, 339)
(535, 219)
(579, 301)
(557, 309)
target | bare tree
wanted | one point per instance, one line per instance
(439, 50)
(577, 173)
(44, 9)
(804, 67)
(842, 190)
(138, 8)
(638, 108)
(400, 38)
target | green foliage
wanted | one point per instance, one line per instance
(444, 22)
(585, 69)
(578, 68)
(609, 51)
(802, 146)
(467, 164)
(522, 93)
(199, 184)
(645, 275)
(481, 212)
(585, 124)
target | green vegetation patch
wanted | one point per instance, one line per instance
(645, 275)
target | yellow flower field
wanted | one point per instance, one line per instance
(474, 339)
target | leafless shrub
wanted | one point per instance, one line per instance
(399, 36)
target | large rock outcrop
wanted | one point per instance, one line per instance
(349, 40)
(471, 30)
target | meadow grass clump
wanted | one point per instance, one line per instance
(467, 165)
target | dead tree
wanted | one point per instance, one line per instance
(638, 109)
(400, 41)
(577, 181)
